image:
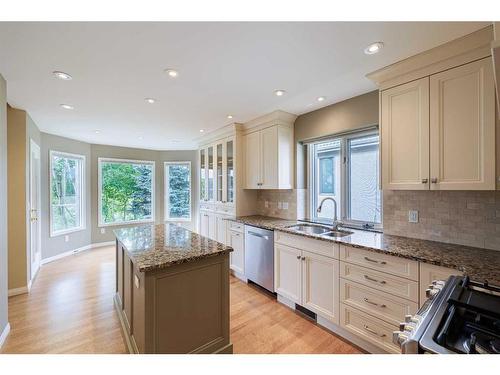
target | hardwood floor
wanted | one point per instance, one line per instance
(70, 310)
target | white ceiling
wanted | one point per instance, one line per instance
(224, 68)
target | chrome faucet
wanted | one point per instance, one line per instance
(318, 210)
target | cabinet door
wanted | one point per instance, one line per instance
(320, 285)
(429, 273)
(237, 257)
(229, 171)
(404, 116)
(252, 160)
(287, 272)
(204, 222)
(210, 174)
(203, 175)
(462, 128)
(219, 174)
(221, 229)
(269, 161)
(212, 227)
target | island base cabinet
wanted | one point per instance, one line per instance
(181, 309)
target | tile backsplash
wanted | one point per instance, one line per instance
(286, 204)
(463, 217)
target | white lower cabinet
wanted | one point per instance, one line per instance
(320, 285)
(430, 273)
(287, 272)
(308, 279)
(237, 257)
(220, 224)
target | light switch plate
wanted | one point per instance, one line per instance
(413, 216)
(266, 204)
(103, 230)
(280, 205)
(285, 205)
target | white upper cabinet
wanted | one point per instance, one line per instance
(405, 136)
(462, 128)
(438, 132)
(269, 158)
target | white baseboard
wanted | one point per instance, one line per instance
(4, 334)
(75, 251)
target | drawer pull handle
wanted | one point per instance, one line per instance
(373, 303)
(372, 331)
(374, 280)
(375, 261)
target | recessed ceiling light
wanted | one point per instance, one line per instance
(140, 137)
(201, 130)
(321, 98)
(150, 100)
(229, 117)
(279, 92)
(97, 131)
(66, 106)
(62, 75)
(374, 48)
(172, 72)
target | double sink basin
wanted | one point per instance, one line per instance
(319, 230)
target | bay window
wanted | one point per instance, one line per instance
(67, 187)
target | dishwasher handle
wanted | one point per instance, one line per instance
(258, 235)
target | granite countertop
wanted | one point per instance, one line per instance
(153, 247)
(480, 264)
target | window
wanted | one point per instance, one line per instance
(346, 168)
(67, 186)
(178, 191)
(126, 191)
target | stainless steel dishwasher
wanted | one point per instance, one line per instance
(259, 256)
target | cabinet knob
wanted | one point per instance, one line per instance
(298, 257)
(434, 180)
(303, 258)
(425, 180)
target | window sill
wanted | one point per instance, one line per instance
(122, 223)
(67, 231)
(177, 220)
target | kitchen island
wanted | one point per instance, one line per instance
(172, 290)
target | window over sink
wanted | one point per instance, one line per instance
(347, 169)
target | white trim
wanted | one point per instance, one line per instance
(29, 250)
(167, 191)
(82, 188)
(17, 291)
(4, 334)
(75, 251)
(99, 191)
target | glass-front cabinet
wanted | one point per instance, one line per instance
(217, 172)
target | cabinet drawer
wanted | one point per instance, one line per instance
(369, 328)
(384, 282)
(224, 209)
(206, 206)
(381, 262)
(235, 226)
(382, 305)
(320, 247)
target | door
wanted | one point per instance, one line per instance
(287, 271)
(269, 162)
(252, 160)
(237, 257)
(34, 209)
(462, 128)
(405, 136)
(320, 285)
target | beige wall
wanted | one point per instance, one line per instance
(3, 207)
(17, 151)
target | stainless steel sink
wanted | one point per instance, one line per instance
(319, 230)
(337, 233)
(310, 228)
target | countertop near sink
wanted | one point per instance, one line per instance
(480, 264)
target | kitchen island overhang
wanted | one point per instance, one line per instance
(172, 290)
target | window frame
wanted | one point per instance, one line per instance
(83, 216)
(344, 204)
(101, 160)
(167, 187)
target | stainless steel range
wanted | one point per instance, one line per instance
(460, 316)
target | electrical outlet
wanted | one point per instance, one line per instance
(280, 206)
(66, 238)
(266, 204)
(103, 230)
(413, 216)
(285, 205)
